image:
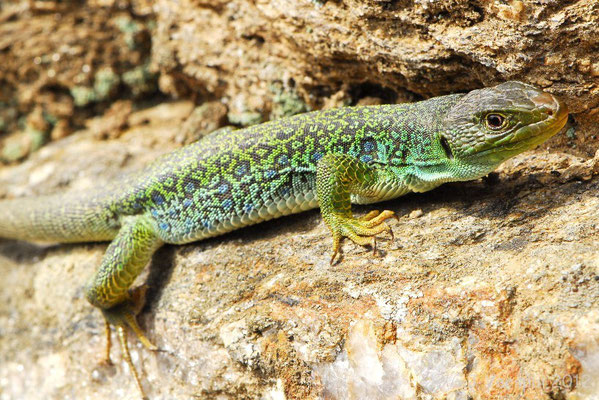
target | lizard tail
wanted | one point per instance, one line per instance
(57, 219)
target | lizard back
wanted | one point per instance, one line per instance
(237, 178)
(232, 179)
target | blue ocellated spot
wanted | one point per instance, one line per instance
(366, 158)
(154, 212)
(227, 204)
(190, 187)
(248, 208)
(368, 146)
(187, 202)
(242, 170)
(157, 198)
(222, 189)
(163, 226)
(172, 212)
(283, 159)
(317, 156)
(285, 192)
(270, 173)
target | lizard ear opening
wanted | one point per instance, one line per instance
(446, 147)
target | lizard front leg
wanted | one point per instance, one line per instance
(108, 289)
(339, 176)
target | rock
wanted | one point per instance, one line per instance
(203, 120)
(67, 60)
(113, 122)
(416, 214)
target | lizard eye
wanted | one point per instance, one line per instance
(495, 121)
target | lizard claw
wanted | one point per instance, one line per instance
(362, 230)
(336, 247)
(123, 318)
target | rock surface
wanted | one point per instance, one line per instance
(490, 289)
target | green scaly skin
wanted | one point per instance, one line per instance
(327, 159)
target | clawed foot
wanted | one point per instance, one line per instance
(122, 317)
(362, 230)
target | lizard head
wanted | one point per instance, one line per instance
(486, 127)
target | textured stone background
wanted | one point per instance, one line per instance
(490, 289)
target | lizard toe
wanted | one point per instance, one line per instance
(362, 231)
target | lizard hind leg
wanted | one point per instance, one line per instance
(108, 289)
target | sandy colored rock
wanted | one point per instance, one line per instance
(69, 61)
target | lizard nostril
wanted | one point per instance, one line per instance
(546, 102)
